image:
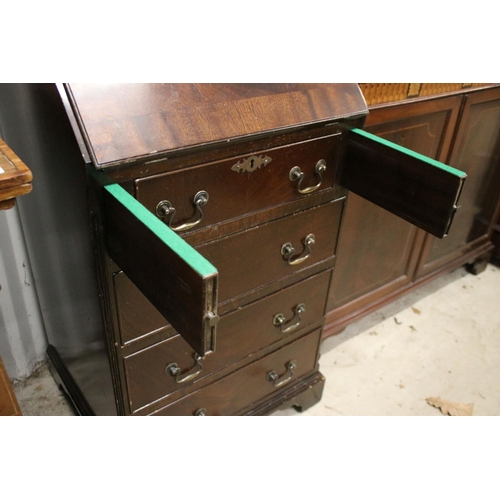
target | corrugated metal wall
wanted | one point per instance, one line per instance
(22, 336)
(48, 229)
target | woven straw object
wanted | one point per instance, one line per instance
(379, 93)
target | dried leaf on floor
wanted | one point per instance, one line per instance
(415, 310)
(397, 321)
(451, 408)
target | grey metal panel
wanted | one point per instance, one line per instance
(22, 337)
(55, 219)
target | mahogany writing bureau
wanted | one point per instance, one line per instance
(216, 210)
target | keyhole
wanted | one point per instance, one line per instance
(251, 163)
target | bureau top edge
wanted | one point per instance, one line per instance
(122, 124)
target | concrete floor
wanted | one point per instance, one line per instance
(39, 395)
(443, 340)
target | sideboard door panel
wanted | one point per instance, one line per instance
(366, 261)
(477, 152)
(175, 278)
(378, 251)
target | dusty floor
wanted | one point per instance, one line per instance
(39, 395)
(442, 340)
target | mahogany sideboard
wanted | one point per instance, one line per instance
(380, 256)
(216, 212)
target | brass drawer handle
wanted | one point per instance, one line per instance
(279, 319)
(202, 412)
(287, 251)
(174, 370)
(297, 175)
(279, 380)
(165, 209)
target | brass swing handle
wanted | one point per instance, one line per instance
(297, 175)
(287, 250)
(279, 380)
(279, 319)
(164, 209)
(174, 370)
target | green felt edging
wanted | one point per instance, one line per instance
(201, 265)
(430, 161)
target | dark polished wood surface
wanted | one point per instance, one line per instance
(173, 136)
(378, 252)
(136, 315)
(124, 122)
(379, 259)
(252, 212)
(172, 285)
(240, 334)
(477, 152)
(231, 394)
(402, 183)
(252, 259)
(252, 188)
(495, 238)
(138, 319)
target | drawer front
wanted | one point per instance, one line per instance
(239, 334)
(416, 188)
(253, 258)
(233, 393)
(241, 185)
(137, 317)
(177, 280)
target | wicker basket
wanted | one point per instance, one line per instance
(378, 93)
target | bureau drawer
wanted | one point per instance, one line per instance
(175, 278)
(240, 333)
(246, 261)
(250, 384)
(420, 190)
(241, 185)
(256, 257)
(183, 284)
